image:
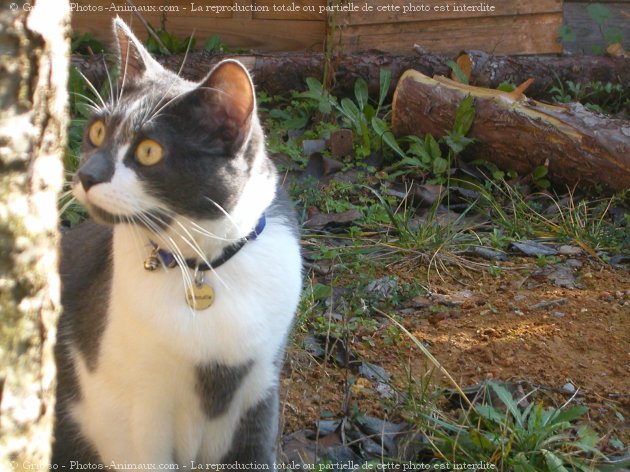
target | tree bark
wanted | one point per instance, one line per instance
(489, 71)
(517, 133)
(33, 119)
(281, 72)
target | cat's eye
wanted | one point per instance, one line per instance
(97, 133)
(148, 152)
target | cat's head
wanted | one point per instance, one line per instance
(163, 146)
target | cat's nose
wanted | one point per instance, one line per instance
(96, 170)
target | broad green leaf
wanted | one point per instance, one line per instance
(440, 166)
(383, 130)
(598, 13)
(481, 441)
(385, 77)
(432, 146)
(510, 404)
(490, 413)
(613, 35)
(321, 291)
(465, 115)
(361, 92)
(543, 183)
(448, 426)
(567, 35)
(568, 415)
(457, 142)
(616, 443)
(521, 464)
(540, 172)
(506, 86)
(349, 109)
(314, 85)
(324, 105)
(213, 43)
(554, 462)
(369, 112)
(587, 436)
(418, 149)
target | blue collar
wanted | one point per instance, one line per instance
(168, 259)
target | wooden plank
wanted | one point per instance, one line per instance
(260, 35)
(291, 10)
(589, 37)
(398, 11)
(527, 34)
(238, 30)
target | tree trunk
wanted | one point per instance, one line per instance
(517, 133)
(33, 119)
(278, 73)
(281, 72)
(489, 71)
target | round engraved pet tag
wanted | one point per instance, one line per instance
(200, 296)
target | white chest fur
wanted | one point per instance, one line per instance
(139, 405)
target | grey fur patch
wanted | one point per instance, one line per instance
(216, 384)
(282, 207)
(85, 271)
(255, 439)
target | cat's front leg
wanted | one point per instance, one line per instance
(255, 438)
(152, 435)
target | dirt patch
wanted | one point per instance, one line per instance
(523, 325)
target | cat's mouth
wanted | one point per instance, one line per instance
(147, 219)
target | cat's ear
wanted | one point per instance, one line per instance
(229, 86)
(134, 58)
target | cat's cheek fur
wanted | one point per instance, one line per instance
(123, 195)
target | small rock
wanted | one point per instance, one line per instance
(487, 253)
(533, 248)
(558, 314)
(322, 220)
(373, 372)
(420, 302)
(383, 287)
(569, 387)
(620, 260)
(311, 146)
(567, 250)
(574, 263)
(385, 390)
(548, 303)
(327, 427)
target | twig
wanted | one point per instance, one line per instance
(163, 48)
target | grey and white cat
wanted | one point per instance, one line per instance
(178, 303)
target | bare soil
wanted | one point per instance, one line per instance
(518, 326)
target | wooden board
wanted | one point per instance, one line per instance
(588, 34)
(397, 11)
(527, 34)
(512, 27)
(300, 10)
(258, 30)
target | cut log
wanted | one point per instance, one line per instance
(279, 73)
(489, 71)
(282, 72)
(519, 134)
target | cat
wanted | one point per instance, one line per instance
(178, 296)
